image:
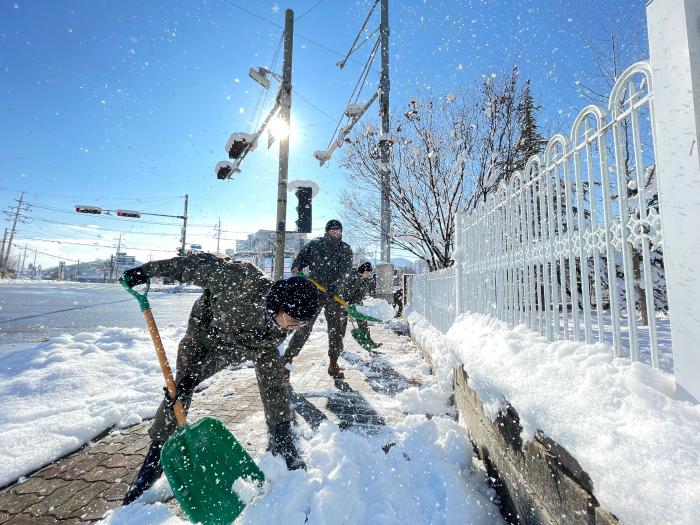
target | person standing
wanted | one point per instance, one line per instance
(359, 286)
(329, 260)
(241, 316)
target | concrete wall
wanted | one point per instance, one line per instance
(538, 482)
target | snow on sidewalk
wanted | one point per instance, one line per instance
(640, 446)
(372, 454)
(58, 395)
(373, 457)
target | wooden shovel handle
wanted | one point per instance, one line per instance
(165, 367)
(336, 297)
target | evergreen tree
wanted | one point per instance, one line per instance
(531, 141)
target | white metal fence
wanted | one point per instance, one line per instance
(571, 246)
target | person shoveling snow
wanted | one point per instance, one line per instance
(241, 316)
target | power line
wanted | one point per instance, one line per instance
(73, 197)
(47, 254)
(360, 84)
(308, 10)
(312, 105)
(310, 40)
(89, 245)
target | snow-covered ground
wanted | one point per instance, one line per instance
(59, 394)
(619, 419)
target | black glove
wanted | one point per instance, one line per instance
(332, 290)
(135, 276)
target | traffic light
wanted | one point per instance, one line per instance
(303, 209)
(88, 209)
(225, 169)
(238, 144)
(129, 213)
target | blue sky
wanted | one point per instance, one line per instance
(128, 104)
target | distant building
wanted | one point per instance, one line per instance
(259, 249)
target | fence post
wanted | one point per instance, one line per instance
(674, 50)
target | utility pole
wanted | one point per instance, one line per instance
(285, 110)
(184, 227)
(77, 272)
(2, 250)
(116, 258)
(24, 257)
(385, 143)
(34, 264)
(12, 234)
(218, 236)
(385, 270)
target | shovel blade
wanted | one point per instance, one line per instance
(363, 339)
(202, 461)
(352, 310)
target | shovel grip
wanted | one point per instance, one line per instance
(336, 297)
(178, 409)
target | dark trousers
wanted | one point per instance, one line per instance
(202, 355)
(337, 320)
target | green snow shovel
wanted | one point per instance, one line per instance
(362, 337)
(201, 461)
(351, 308)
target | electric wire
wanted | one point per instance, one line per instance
(308, 11)
(364, 24)
(310, 40)
(272, 68)
(360, 84)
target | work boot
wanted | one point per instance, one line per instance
(334, 369)
(147, 476)
(281, 442)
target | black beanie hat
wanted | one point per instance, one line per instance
(364, 267)
(295, 296)
(333, 223)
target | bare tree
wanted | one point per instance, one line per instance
(449, 154)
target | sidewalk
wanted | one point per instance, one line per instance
(82, 486)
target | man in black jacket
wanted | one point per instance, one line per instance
(329, 260)
(241, 316)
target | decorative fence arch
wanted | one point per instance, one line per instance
(572, 245)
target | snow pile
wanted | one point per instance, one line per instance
(57, 396)
(419, 472)
(619, 419)
(378, 308)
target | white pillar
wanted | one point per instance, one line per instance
(674, 49)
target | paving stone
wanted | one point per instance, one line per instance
(70, 507)
(96, 509)
(40, 486)
(115, 492)
(13, 503)
(48, 504)
(27, 519)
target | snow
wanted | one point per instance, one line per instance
(377, 308)
(640, 446)
(418, 468)
(57, 396)
(419, 472)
